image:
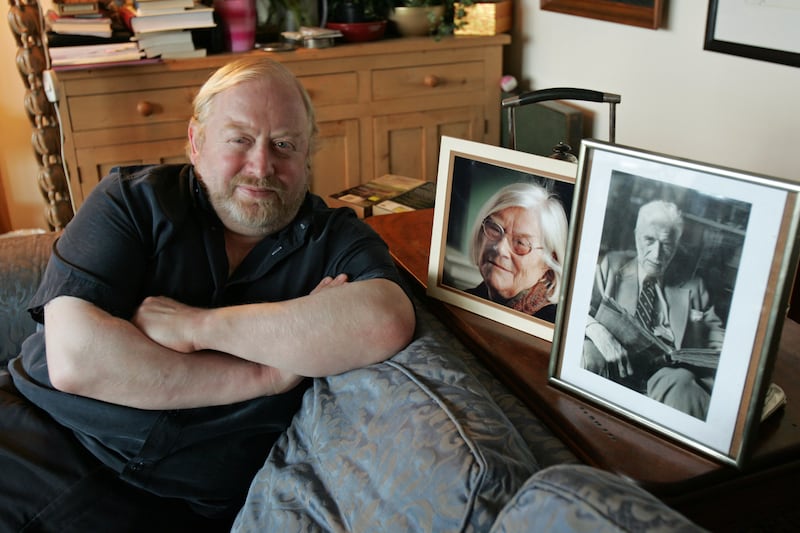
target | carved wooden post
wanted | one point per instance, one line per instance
(25, 20)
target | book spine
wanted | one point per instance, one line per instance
(76, 9)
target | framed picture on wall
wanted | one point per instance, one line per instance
(765, 29)
(685, 271)
(500, 229)
(644, 13)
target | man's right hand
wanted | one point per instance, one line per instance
(610, 348)
(328, 282)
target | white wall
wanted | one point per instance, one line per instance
(677, 98)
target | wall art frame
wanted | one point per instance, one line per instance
(469, 174)
(757, 29)
(642, 13)
(749, 230)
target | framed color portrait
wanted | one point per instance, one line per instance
(500, 230)
(681, 273)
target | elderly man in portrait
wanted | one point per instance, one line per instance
(648, 287)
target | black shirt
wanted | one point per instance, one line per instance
(151, 231)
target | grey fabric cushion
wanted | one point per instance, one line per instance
(411, 444)
(579, 498)
(22, 263)
(546, 447)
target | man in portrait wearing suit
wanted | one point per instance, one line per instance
(647, 285)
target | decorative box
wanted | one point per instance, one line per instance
(486, 18)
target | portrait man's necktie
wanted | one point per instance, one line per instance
(646, 307)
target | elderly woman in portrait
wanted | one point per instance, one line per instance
(518, 244)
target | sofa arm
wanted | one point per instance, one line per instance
(23, 259)
(580, 498)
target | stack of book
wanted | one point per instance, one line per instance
(362, 198)
(92, 54)
(168, 44)
(82, 33)
(422, 197)
(68, 17)
(162, 28)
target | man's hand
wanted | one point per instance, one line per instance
(328, 282)
(610, 348)
(168, 322)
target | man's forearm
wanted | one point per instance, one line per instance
(338, 329)
(94, 354)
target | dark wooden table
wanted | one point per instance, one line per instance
(715, 495)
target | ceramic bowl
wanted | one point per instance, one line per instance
(417, 21)
(356, 32)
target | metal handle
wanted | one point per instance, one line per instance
(561, 93)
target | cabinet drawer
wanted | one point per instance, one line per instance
(104, 111)
(332, 89)
(426, 80)
(135, 108)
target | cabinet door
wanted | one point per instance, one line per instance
(95, 163)
(336, 164)
(408, 143)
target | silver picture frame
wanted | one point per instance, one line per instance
(740, 235)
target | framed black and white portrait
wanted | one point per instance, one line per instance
(680, 276)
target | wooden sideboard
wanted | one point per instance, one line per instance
(760, 497)
(381, 106)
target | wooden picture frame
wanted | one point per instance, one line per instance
(757, 30)
(726, 286)
(471, 175)
(642, 13)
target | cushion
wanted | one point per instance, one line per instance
(415, 443)
(580, 498)
(546, 447)
(23, 259)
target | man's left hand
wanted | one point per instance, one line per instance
(168, 322)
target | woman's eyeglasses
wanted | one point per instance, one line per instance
(495, 233)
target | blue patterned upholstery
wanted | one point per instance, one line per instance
(582, 499)
(22, 262)
(412, 444)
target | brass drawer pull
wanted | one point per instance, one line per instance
(431, 80)
(145, 108)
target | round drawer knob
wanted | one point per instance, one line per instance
(145, 108)
(431, 80)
